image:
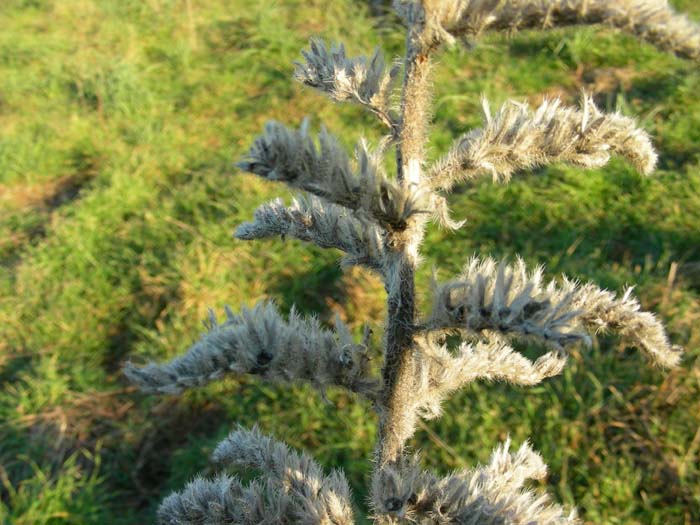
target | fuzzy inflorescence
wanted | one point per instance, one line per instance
(517, 303)
(492, 493)
(291, 156)
(292, 488)
(366, 81)
(326, 225)
(260, 342)
(651, 20)
(441, 371)
(517, 139)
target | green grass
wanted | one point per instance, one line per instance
(119, 123)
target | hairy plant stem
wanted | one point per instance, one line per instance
(398, 364)
(415, 113)
(397, 420)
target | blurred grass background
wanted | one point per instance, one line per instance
(119, 123)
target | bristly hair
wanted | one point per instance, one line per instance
(650, 20)
(517, 139)
(262, 343)
(324, 224)
(281, 154)
(365, 81)
(493, 493)
(292, 489)
(510, 300)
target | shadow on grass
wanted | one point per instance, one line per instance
(34, 206)
(581, 234)
(308, 291)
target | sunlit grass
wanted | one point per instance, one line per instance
(119, 124)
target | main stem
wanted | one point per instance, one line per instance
(397, 413)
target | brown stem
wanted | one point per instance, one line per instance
(415, 114)
(396, 419)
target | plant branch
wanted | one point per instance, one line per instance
(397, 421)
(518, 304)
(292, 488)
(651, 20)
(291, 156)
(342, 78)
(262, 343)
(492, 493)
(492, 359)
(517, 138)
(326, 225)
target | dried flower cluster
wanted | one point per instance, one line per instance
(650, 20)
(516, 303)
(367, 82)
(492, 494)
(441, 372)
(326, 225)
(379, 222)
(293, 488)
(261, 342)
(516, 139)
(291, 156)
